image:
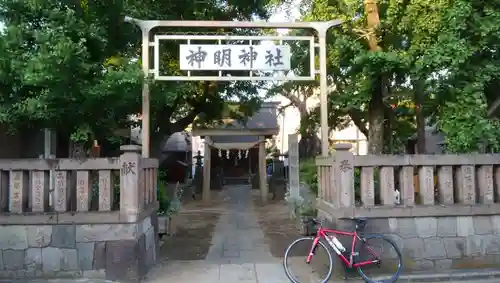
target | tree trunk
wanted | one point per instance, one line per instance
(376, 105)
(372, 21)
(390, 121)
(376, 121)
(388, 137)
(309, 144)
(158, 141)
(419, 115)
(356, 118)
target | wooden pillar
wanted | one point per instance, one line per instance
(262, 170)
(206, 170)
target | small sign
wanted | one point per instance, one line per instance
(234, 57)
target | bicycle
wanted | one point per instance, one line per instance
(349, 258)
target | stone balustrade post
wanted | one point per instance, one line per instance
(129, 182)
(343, 195)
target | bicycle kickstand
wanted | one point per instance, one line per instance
(346, 270)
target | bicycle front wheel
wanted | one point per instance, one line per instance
(318, 270)
(388, 256)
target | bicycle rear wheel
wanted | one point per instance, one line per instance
(319, 270)
(382, 248)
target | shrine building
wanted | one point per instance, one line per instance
(235, 151)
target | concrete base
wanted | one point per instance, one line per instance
(123, 252)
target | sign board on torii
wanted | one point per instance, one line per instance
(259, 62)
(234, 57)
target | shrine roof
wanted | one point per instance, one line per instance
(263, 123)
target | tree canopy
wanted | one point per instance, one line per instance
(74, 66)
(398, 66)
(61, 67)
(395, 65)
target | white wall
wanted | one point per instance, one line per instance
(353, 135)
(289, 123)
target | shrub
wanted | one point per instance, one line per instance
(163, 199)
(308, 174)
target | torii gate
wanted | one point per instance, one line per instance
(320, 27)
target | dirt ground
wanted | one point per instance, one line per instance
(190, 204)
(195, 227)
(280, 231)
(197, 220)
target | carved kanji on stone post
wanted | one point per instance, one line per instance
(343, 195)
(129, 182)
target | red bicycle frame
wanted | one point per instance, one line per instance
(323, 233)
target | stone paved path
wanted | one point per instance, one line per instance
(238, 237)
(238, 252)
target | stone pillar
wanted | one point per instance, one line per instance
(106, 193)
(466, 193)
(264, 191)
(343, 195)
(83, 191)
(293, 166)
(18, 191)
(206, 170)
(39, 191)
(129, 182)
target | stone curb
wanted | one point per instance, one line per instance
(60, 280)
(451, 276)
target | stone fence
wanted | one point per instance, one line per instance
(67, 217)
(443, 210)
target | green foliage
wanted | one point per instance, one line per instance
(441, 55)
(162, 193)
(467, 127)
(168, 206)
(72, 66)
(469, 47)
(53, 69)
(308, 173)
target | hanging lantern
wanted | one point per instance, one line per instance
(220, 152)
(246, 153)
(239, 154)
(227, 154)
